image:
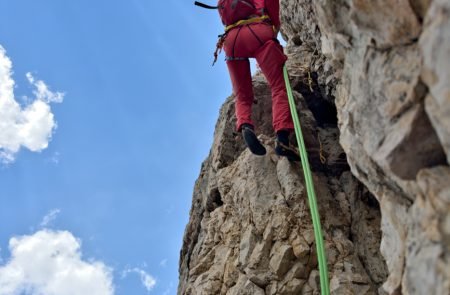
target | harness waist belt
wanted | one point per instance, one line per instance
(247, 21)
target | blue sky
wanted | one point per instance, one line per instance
(139, 104)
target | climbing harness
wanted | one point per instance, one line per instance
(244, 22)
(241, 23)
(324, 284)
(250, 20)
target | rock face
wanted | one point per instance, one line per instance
(372, 86)
(250, 230)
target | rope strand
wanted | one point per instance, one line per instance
(323, 270)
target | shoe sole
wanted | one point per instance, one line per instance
(253, 143)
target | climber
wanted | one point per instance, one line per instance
(251, 31)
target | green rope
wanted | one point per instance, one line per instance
(324, 286)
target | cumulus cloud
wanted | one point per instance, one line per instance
(42, 92)
(31, 126)
(50, 263)
(147, 280)
(50, 217)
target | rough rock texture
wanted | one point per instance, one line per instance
(250, 230)
(386, 64)
(372, 84)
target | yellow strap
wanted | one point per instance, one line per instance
(246, 22)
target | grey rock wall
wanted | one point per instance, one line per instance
(372, 85)
(386, 64)
(250, 230)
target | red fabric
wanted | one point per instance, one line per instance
(256, 40)
(230, 14)
(272, 8)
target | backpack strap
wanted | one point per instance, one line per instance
(205, 5)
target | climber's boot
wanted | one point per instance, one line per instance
(283, 149)
(252, 141)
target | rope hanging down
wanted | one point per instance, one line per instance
(324, 284)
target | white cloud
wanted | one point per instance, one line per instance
(50, 217)
(50, 263)
(147, 280)
(42, 92)
(163, 263)
(30, 127)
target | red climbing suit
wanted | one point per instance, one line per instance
(257, 41)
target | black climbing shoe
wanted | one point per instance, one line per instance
(283, 149)
(252, 141)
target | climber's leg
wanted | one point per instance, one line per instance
(243, 90)
(271, 59)
(240, 44)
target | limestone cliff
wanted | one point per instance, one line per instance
(372, 85)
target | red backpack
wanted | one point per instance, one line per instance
(232, 11)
